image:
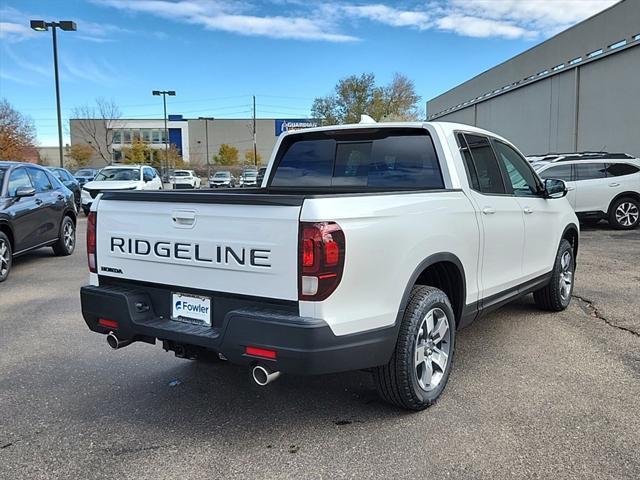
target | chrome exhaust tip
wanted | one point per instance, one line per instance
(263, 375)
(115, 343)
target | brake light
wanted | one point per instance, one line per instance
(91, 242)
(322, 251)
(260, 352)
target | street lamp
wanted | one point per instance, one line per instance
(164, 94)
(206, 139)
(67, 26)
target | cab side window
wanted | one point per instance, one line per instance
(519, 174)
(40, 180)
(18, 179)
(486, 177)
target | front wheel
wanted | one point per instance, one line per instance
(625, 214)
(66, 244)
(556, 295)
(6, 257)
(420, 365)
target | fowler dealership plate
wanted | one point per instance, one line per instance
(191, 309)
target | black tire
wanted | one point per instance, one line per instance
(6, 257)
(66, 243)
(398, 381)
(556, 295)
(621, 221)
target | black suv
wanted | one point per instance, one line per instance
(36, 210)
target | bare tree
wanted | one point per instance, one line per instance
(17, 135)
(95, 123)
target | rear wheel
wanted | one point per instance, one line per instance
(66, 243)
(556, 296)
(6, 257)
(420, 365)
(624, 214)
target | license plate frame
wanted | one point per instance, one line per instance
(190, 308)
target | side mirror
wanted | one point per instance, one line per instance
(25, 192)
(555, 188)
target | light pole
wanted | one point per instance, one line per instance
(67, 26)
(206, 139)
(164, 94)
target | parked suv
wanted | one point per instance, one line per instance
(601, 185)
(222, 179)
(85, 175)
(120, 177)
(70, 182)
(368, 248)
(36, 210)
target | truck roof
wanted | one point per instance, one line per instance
(447, 127)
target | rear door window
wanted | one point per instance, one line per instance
(487, 170)
(590, 171)
(562, 172)
(383, 159)
(41, 181)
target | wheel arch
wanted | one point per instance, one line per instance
(629, 193)
(442, 270)
(5, 228)
(572, 235)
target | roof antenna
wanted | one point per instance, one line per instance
(366, 119)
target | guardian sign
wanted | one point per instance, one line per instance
(290, 125)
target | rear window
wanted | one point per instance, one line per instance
(372, 159)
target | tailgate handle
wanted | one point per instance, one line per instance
(184, 218)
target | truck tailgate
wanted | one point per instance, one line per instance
(240, 244)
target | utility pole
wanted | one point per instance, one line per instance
(255, 147)
(164, 94)
(206, 139)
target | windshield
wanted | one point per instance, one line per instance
(118, 174)
(85, 173)
(222, 175)
(181, 173)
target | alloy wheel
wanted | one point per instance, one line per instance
(627, 214)
(566, 275)
(432, 349)
(4, 258)
(68, 236)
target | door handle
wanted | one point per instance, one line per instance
(614, 184)
(527, 210)
(38, 201)
(60, 197)
(488, 210)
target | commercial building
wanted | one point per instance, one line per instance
(196, 139)
(577, 91)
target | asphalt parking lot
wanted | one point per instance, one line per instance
(531, 394)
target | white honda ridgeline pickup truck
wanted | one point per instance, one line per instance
(366, 247)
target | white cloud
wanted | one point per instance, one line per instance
(481, 27)
(15, 32)
(390, 16)
(231, 17)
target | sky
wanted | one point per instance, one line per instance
(216, 54)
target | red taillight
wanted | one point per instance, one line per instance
(91, 242)
(322, 251)
(105, 322)
(260, 352)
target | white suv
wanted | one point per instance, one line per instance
(120, 177)
(601, 185)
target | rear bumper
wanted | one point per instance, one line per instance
(303, 346)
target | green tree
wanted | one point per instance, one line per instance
(227, 155)
(139, 153)
(79, 155)
(249, 160)
(359, 95)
